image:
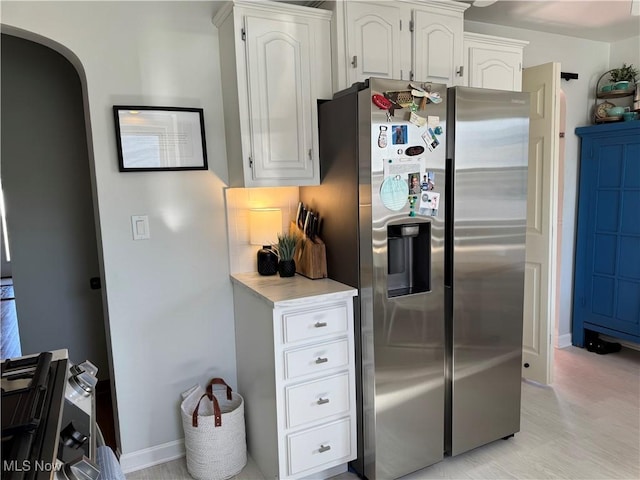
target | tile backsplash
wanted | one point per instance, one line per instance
(242, 255)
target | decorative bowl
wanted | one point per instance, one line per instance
(628, 116)
(615, 111)
(606, 88)
(621, 85)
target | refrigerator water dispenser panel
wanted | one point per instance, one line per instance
(408, 259)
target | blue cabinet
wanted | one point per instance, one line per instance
(606, 296)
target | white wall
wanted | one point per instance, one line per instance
(243, 255)
(625, 51)
(589, 59)
(169, 298)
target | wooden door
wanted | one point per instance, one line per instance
(437, 47)
(280, 101)
(494, 68)
(540, 279)
(373, 41)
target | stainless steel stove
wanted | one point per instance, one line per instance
(48, 418)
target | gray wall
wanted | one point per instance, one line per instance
(45, 176)
(169, 298)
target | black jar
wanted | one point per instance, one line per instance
(267, 261)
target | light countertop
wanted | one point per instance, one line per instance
(292, 291)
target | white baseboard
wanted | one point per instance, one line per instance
(563, 341)
(130, 462)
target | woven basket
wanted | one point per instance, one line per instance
(214, 432)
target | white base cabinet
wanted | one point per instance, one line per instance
(493, 62)
(296, 371)
(275, 61)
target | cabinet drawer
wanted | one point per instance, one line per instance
(314, 323)
(316, 358)
(315, 447)
(315, 400)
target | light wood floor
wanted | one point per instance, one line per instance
(586, 426)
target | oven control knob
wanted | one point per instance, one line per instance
(81, 469)
(84, 383)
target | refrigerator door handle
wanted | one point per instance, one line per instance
(448, 215)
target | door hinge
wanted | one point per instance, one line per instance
(310, 154)
(460, 71)
(244, 34)
(410, 74)
(250, 162)
(411, 25)
(354, 61)
(400, 25)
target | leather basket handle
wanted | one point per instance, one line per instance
(218, 381)
(216, 410)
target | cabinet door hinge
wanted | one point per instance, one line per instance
(411, 25)
(244, 34)
(354, 61)
(250, 162)
(410, 74)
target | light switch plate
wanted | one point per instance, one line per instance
(140, 227)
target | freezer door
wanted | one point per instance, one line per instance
(489, 162)
(402, 297)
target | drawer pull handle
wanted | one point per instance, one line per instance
(322, 401)
(324, 448)
(322, 360)
(320, 324)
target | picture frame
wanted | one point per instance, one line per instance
(160, 138)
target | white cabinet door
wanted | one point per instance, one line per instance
(373, 41)
(437, 47)
(280, 103)
(493, 62)
(275, 64)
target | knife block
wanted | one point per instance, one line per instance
(310, 255)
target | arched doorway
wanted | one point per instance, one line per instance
(47, 186)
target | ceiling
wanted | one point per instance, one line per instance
(602, 20)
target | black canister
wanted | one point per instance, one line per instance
(267, 261)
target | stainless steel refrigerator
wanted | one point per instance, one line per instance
(423, 200)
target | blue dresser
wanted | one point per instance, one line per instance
(606, 296)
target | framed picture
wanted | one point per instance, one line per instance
(160, 138)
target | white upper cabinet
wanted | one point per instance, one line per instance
(275, 65)
(373, 40)
(493, 62)
(437, 45)
(399, 39)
